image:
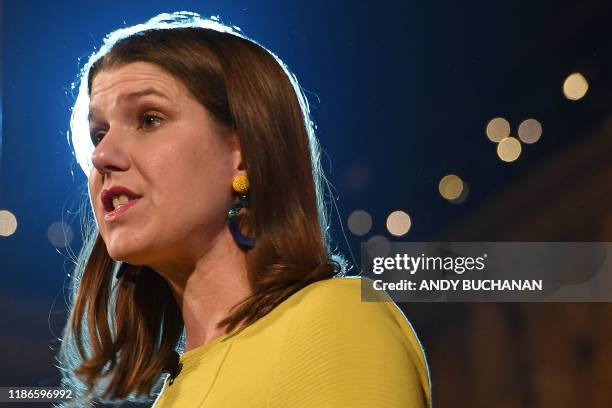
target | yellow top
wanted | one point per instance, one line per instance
(323, 347)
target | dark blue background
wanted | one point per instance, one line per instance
(401, 92)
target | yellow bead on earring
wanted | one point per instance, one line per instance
(240, 184)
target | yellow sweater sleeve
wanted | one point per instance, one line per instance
(341, 352)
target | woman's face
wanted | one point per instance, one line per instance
(156, 139)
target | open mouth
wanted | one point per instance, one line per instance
(117, 200)
(120, 209)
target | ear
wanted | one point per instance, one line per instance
(238, 162)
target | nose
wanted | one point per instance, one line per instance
(110, 155)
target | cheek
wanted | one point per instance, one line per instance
(195, 185)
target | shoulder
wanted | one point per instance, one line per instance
(351, 304)
(344, 286)
(334, 333)
(341, 292)
(344, 307)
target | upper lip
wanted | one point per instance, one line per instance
(107, 196)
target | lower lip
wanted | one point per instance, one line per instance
(113, 215)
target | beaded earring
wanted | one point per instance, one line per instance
(241, 187)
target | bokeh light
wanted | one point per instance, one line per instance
(509, 149)
(575, 86)
(398, 223)
(497, 129)
(8, 223)
(450, 186)
(60, 234)
(530, 131)
(359, 222)
(378, 246)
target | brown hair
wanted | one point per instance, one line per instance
(248, 90)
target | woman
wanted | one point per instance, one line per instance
(205, 184)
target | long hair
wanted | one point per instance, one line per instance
(119, 332)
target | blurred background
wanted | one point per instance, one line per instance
(440, 121)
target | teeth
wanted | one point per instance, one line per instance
(120, 200)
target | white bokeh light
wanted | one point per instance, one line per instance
(8, 223)
(398, 223)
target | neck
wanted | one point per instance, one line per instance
(207, 290)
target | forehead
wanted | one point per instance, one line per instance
(109, 84)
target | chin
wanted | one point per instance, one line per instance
(123, 253)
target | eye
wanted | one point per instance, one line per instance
(149, 120)
(96, 137)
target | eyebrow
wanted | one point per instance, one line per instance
(132, 96)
